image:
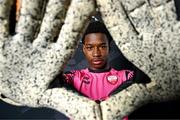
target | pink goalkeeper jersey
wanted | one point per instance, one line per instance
(97, 85)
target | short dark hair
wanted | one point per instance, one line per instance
(97, 27)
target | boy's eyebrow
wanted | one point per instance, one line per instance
(98, 44)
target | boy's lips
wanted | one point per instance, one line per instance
(97, 61)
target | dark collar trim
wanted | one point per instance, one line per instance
(100, 70)
(122, 87)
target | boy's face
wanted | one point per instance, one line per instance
(96, 50)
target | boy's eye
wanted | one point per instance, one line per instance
(89, 48)
(104, 46)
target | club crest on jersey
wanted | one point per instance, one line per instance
(112, 79)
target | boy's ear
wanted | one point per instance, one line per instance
(83, 47)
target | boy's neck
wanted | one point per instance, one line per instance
(105, 69)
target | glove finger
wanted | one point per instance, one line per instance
(76, 17)
(5, 7)
(31, 13)
(52, 21)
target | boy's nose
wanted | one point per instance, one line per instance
(96, 52)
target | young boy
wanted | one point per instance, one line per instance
(99, 80)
